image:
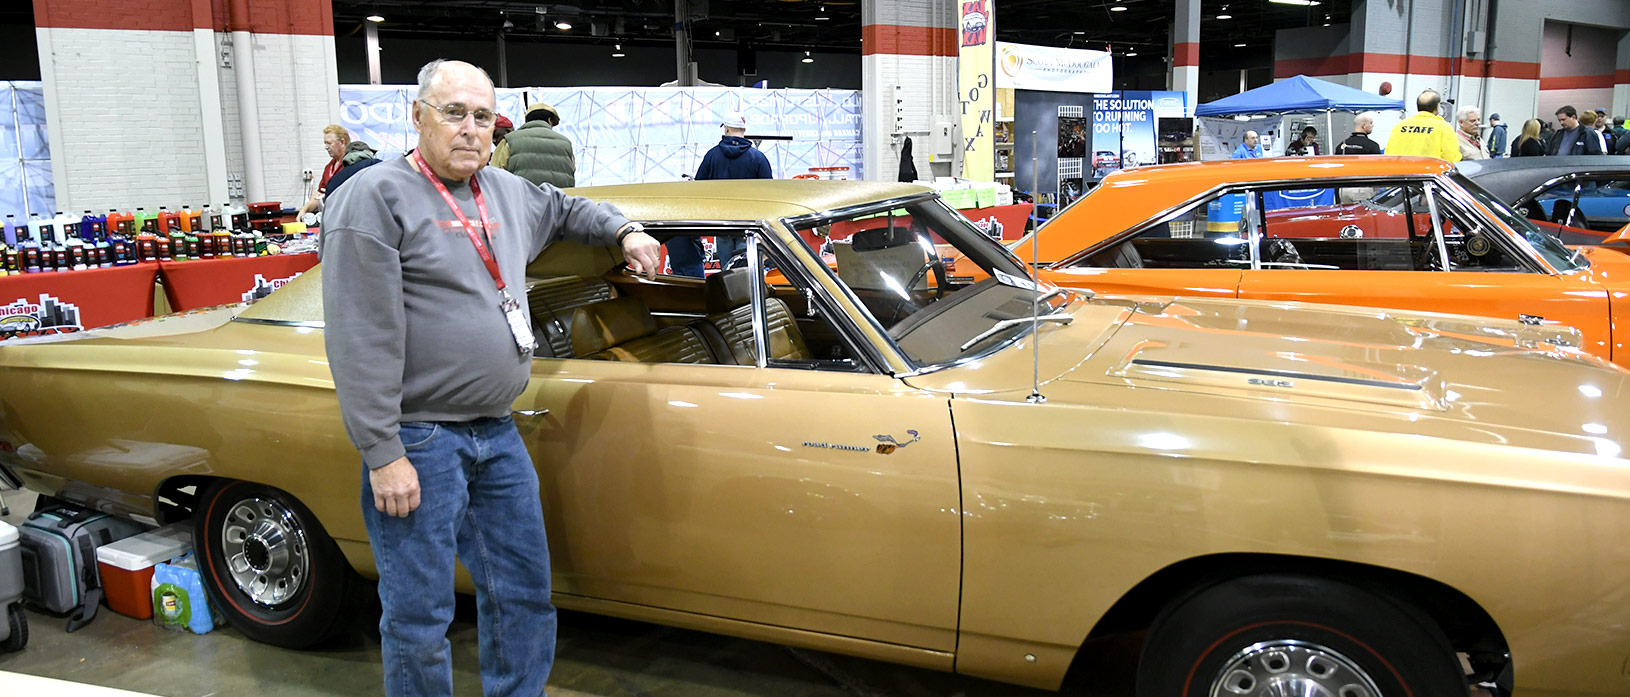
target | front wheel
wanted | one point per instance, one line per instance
(270, 568)
(1295, 635)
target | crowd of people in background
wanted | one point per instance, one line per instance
(1428, 132)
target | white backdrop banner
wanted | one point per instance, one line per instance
(625, 135)
(26, 184)
(1220, 135)
(1027, 67)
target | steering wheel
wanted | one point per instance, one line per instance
(935, 264)
(730, 262)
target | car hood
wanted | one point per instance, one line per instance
(1498, 377)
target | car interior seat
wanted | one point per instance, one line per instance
(552, 301)
(728, 328)
(622, 329)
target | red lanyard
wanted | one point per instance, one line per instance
(480, 205)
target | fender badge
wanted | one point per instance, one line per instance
(1270, 383)
(887, 444)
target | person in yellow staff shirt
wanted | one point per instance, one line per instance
(1425, 133)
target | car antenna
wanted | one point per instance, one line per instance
(1036, 397)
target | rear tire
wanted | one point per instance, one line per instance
(269, 566)
(1295, 635)
(19, 629)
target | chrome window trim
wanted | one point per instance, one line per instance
(1431, 190)
(867, 355)
(761, 332)
(309, 324)
(1254, 228)
(1463, 198)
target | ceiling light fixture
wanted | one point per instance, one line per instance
(1239, 45)
(618, 51)
(807, 58)
(1225, 15)
(563, 25)
(375, 19)
(1117, 8)
(822, 17)
(1300, 3)
(1129, 54)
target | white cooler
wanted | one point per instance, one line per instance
(14, 626)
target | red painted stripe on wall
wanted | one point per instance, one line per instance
(1622, 76)
(1394, 63)
(307, 17)
(1185, 54)
(1576, 82)
(896, 39)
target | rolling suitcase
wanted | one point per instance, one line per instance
(59, 558)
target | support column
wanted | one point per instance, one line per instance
(1185, 58)
(371, 36)
(1621, 79)
(912, 44)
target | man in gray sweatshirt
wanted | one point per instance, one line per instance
(425, 311)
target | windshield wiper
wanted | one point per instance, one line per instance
(1061, 318)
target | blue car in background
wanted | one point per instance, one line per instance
(1580, 199)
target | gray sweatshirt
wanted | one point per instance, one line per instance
(412, 320)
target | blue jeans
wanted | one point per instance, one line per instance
(479, 500)
(685, 256)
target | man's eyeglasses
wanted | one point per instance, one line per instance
(455, 113)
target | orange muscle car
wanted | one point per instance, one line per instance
(1395, 232)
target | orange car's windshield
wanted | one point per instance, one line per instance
(929, 277)
(1560, 257)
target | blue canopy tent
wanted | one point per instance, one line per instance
(1300, 94)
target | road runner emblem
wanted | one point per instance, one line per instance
(887, 444)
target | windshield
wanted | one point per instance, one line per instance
(1558, 256)
(930, 278)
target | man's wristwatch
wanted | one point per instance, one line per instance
(629, 229)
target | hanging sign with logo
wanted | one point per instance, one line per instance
(42, 317)
(976, 88)
(1027, 67)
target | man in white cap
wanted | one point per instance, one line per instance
(733, 158)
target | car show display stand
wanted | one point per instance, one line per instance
(189, 285)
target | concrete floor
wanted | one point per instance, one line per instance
(597, 656)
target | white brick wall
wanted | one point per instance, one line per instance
(928, 87)
(124, 118)
(127, 124)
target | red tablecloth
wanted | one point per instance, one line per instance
(193, 284)
(33, 304)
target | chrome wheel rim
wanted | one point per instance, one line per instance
(265, 551)
(1289, 668)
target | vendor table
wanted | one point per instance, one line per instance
(193, 284)
(34, 304)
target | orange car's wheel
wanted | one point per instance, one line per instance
(1285, 635)
(269, 566)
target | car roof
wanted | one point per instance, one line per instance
(743, 199)
(1510, 178)
(1129, 197)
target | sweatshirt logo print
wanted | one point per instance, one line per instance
(456, 227)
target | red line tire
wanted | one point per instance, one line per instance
(268, 565)
(1287, 634)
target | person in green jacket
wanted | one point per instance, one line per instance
(538, 153)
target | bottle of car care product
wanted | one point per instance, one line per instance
(237, 215)
(140, 217)
(121, 250)
(12, 264)
(195, 249)
(28, 250)
(178, 240)
(98, 238)
(48, 246)
(190, 220)
(223, 242)
(122, 223)
(78, 252)
(161, 242)
(11, 231)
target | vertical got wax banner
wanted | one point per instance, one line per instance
(976, 63)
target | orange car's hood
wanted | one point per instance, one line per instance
(1501, 375)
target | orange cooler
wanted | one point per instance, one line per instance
(127, 566)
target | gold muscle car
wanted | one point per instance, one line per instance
(904, 447)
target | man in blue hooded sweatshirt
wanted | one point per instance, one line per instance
(733, 158)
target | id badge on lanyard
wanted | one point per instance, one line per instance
(520, 325)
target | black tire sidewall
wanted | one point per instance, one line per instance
(304, 620)
(19, 628)
(1404, 654)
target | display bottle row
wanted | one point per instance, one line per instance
(74, 243)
